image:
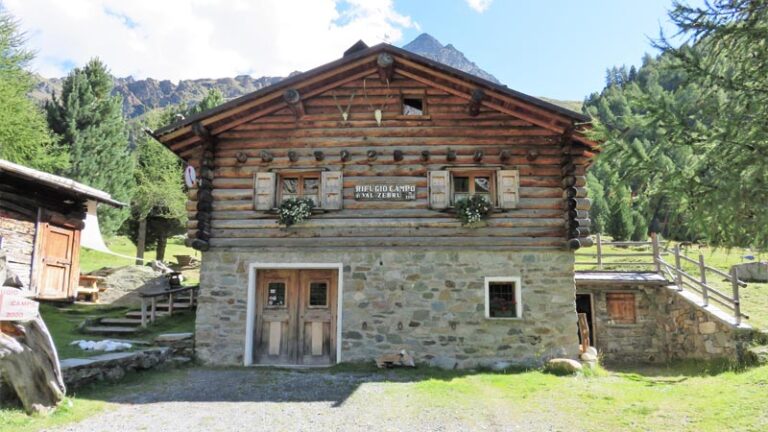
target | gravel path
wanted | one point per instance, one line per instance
(281, 400)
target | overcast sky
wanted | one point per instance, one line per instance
(555, 48)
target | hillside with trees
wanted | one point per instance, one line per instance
(685, 141)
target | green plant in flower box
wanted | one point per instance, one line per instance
(471, 211)
(294, 210)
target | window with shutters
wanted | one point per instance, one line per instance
(468, 183)
(621, 307)
(503, 298)
(324, 188)
(500, 187)
(299, 185)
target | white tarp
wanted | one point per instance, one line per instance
(90, 237)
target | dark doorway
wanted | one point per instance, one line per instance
(584, 305)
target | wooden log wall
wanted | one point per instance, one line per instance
(20, 203)
(452, 132)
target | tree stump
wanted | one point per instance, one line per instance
(29, 364)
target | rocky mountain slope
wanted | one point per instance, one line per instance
(142, 95)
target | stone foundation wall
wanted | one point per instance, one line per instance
(110, 367)
(431, 303)
(668, 327)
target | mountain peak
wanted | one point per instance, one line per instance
(426, 45)
(424, 42)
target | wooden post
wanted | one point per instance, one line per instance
(153, 310)
(170, 304)
(142, 241)
(192, 298)
(143, 312)
(599, 251)
(678, 269)
(656, 252)
(736, 302)
(703, 271)
(584, 332)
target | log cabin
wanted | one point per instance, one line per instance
(41, 219)
(388, 145)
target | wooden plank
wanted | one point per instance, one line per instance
(317, 338)
(275, 333)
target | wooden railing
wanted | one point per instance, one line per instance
(660, 259)
(149, 301)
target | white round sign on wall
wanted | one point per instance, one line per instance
(190, 176)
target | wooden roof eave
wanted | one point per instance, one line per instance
(264, 102)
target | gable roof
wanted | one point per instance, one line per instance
(58, 183)
(189, 132)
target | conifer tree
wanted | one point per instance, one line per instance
(24, 135)
(88, 121)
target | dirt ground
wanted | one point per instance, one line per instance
(283, 400)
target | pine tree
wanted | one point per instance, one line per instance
(620, 224)
(159, 206)
(88, 121)
(599, 211)
(24, 135)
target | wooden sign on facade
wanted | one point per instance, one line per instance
(15, 307)
(385, 192)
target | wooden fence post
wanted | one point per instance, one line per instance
(656, 252)
(153, 314)
(143, 312)
(703, 271)
(678, 269)
(599, 251)
(170, 304)
(736, 302)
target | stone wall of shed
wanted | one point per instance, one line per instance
(668, 327)
(18, 234)
(430, 303)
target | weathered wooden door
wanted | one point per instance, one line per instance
(295, 317)
(59, 250)
(317, 317)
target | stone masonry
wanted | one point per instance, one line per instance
(668, 327)
(431, 303)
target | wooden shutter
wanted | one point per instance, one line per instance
(621, 307)
(264, 190)
(439, 189)
(507, 188)
(331, 187)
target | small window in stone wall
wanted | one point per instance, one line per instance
(503, 298)
(621, 307)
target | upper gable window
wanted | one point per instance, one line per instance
(413, 106)
(300, 185)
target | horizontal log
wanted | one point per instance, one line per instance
(386, 132)
(286, 123)
(348, 192)
(298, 231)
(479, 242)
(388, 222)
(574, 192)
(379, 214)
(578, 223)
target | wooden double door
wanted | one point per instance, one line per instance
(296, 317)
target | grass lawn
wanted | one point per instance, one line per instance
(754, 298)
(93, 260)
(63, 321)
(684, 397)
(84, 403)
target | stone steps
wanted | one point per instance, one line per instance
(120, 321)
(137, 314)
(105, 330)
